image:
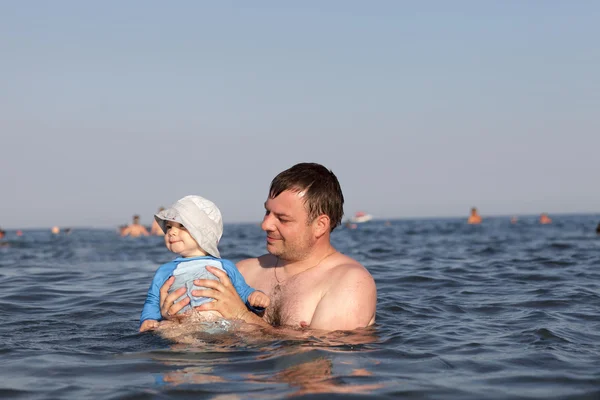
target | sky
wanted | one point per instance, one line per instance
(421, 109)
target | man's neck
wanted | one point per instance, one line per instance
(313, 259)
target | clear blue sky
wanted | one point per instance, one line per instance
(420, 108)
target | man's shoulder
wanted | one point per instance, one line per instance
(349, 298)
(348, 270)
(344, 261)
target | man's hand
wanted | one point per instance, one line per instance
(168, 307)
(227, 301)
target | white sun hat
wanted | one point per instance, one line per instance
(201, 218)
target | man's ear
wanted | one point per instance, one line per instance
(321, 225)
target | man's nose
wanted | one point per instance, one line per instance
(267, 223)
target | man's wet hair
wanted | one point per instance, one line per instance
(322, 191)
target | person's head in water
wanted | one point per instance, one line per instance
(318, 187)
(2, 234)
(136, 219)
(193, 227)
(545, 219)
(474, 218)
(598, 228)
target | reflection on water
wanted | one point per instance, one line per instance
(303, 359)
(307, 366)
(311, 372)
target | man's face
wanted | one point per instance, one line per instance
(179, 240)
(289, 236)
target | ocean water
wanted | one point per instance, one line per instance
(496, 311)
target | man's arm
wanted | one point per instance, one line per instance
(349, 303)
(346, 306)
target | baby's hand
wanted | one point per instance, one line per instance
(165, 323)
(259, 299)
(149, 325)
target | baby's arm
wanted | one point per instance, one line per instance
(151, 309)
(149, 325)
(259, 299)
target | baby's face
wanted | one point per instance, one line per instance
(179, 240)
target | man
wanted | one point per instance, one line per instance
(135, 229)
(474, 218)
(545, 219)
(310, 284)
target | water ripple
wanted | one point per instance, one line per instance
(496, 311)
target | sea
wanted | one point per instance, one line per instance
(493, 311)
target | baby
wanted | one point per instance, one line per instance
(193, 227)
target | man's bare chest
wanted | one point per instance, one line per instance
(293, 300)
(293, 304)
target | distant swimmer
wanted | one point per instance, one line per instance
(135, 229)
(598, 229)
(474, 218)
(155, 229)
(545, 219)
(55, 230)
(513, 220)
(3, 233)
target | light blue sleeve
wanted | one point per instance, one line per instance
(151, 308)
(238, 281)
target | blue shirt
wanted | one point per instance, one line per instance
(151, 308)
